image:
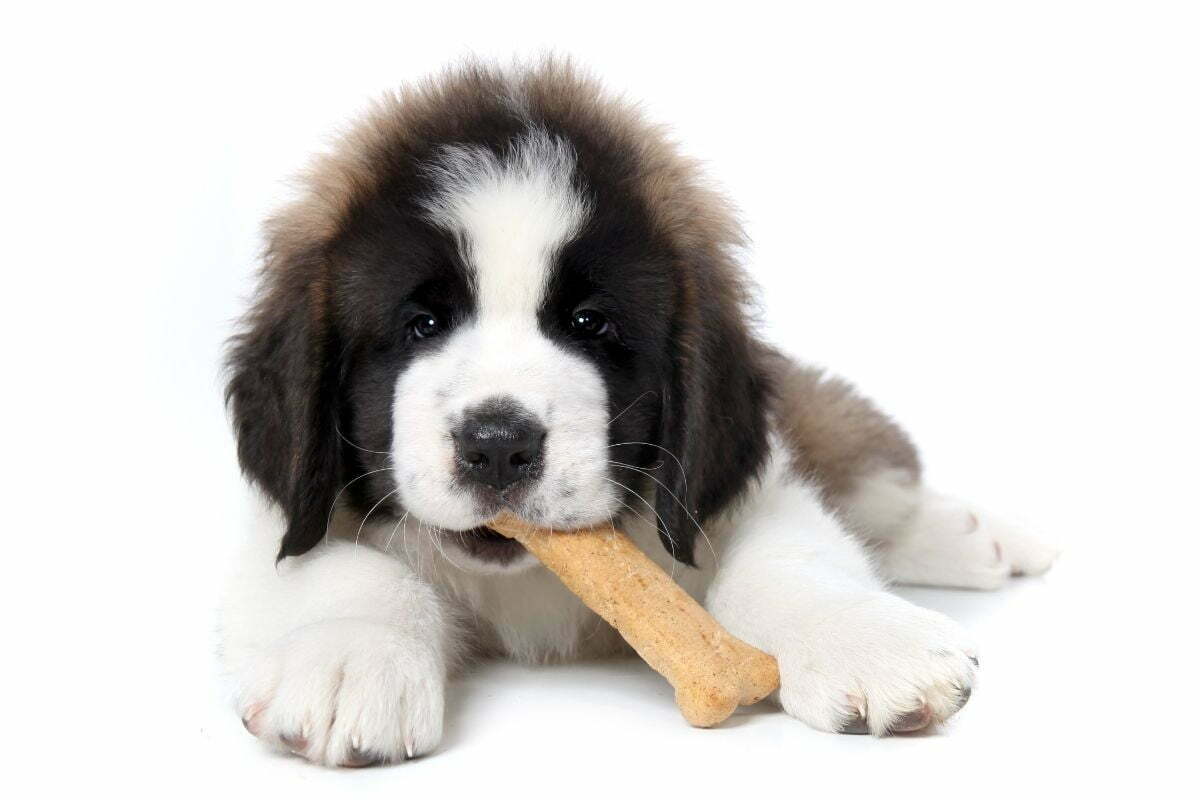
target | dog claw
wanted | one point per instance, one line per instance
(294, 742)
(250, 721)
(357, 759)
(856, 726)
(913, 720)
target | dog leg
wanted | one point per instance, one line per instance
(339, 655)
(869, 473)
(920, 537)
(852, 657)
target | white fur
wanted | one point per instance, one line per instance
(343, 648)
(924, 538)
(881, 502)
(796, 584)
(949, 543)
(526, 615)
(510, 216)
(390, 609)
(508, 358)
(344, 651)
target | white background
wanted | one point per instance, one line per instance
(985, 214)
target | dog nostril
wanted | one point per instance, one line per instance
(498, 445)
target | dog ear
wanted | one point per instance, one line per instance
(714, 416)
(282, 394)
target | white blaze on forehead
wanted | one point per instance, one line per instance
(511, 216)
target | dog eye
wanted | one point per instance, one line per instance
(424, 326)
(588, 323)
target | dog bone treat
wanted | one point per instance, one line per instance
(713, 672)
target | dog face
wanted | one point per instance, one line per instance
(515, 349)
(502, 291)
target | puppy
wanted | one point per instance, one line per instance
(504, 289)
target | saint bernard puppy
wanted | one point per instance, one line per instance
(505, 289)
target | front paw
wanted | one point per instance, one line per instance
(876, 664)
(348, 693)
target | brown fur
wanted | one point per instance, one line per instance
(402, 122)
(286, 361)
(835, 436)
(722, 374)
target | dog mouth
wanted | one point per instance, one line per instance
(486, 545)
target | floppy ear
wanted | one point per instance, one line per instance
(283, 397)
(714, 417)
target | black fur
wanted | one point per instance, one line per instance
(712, 420)
(314, 373)
(283, 399)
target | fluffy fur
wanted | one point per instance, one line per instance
(513, 265)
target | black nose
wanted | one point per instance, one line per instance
(499, 445)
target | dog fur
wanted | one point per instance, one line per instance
(448, 261)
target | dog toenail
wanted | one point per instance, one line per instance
(294, 742)
(855, 725)
(913, 720)
(974, 660)
(357, 758)
(251, 723)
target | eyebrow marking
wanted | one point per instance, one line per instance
(510, 215)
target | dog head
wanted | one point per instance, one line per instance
(501, 290)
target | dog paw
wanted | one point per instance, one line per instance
(348, 693)
(877, 665)
(949, 543)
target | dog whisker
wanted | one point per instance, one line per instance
(631, 405)
(406, 540)
(336, 497)
(436, 539)
(682, 471)
(642, 517)
(362, 524)
(388, 545)
(657, 464)
(664, 529)
(678, 502)
(342, 436)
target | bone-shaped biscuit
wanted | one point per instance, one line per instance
(713, 672)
